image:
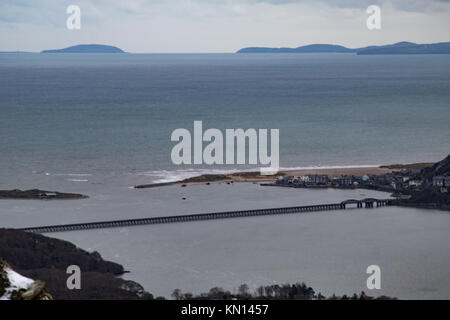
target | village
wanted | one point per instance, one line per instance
(401, 183)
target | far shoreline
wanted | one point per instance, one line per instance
(256, 177)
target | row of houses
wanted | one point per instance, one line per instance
(441, 181)
(406, 180)
(319, 180)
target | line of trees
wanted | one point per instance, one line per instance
(297, 291)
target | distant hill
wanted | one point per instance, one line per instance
(312, 48)
(87, 48)
(409, 48)
(394, 45)
(403, 47)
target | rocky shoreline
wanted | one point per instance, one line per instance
(38, 257)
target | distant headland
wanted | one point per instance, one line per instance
(403, 47)
(87, 48)
(396, 48)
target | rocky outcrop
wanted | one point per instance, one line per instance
(38, 194)
(38, 257)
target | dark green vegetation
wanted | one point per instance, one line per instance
(413, 166)
(396, 48)
(441, 168)
(38, 194)
(298, 291)
(42, 258)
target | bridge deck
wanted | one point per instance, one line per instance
(202, 216)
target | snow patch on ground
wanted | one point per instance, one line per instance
(16, 281)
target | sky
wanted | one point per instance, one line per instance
(181, 26)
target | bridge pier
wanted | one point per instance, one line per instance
(369, 204)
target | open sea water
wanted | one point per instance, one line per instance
(94, 116)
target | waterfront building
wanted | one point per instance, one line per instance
(414, 183)
(345, 180)
(441, 181)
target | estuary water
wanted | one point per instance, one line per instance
(98, 124)
(329, 251)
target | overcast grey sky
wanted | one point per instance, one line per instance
(218, 25)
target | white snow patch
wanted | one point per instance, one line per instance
(16, 281)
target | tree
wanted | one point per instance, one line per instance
(243, 290)
(177, 294)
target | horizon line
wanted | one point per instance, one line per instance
(214, 52)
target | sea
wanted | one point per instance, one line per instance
(98, 124)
